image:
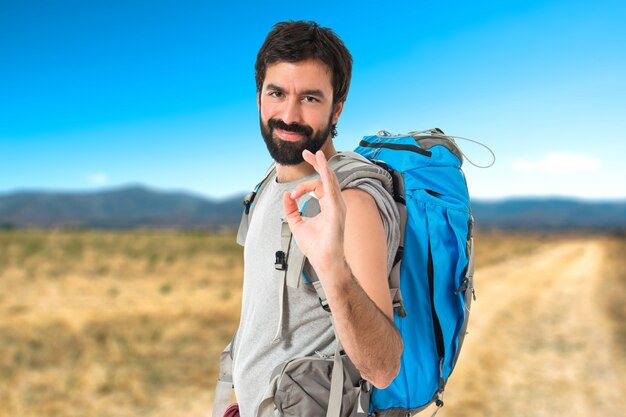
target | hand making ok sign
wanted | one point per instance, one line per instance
(320, 238)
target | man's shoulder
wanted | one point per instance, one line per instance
(358, 197)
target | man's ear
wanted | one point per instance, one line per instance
(337, 111)
(258, 100)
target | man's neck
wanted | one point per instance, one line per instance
(288, 173)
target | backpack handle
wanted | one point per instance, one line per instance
(439, 133)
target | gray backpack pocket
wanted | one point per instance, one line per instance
(303, 387)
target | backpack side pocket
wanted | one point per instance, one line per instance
(304, 385)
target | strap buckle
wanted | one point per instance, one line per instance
(462, 287)
(281, 261)
(247, 201)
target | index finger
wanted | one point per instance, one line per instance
(329, 179)
(320, 165)
(311, 159)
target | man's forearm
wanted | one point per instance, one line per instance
(368, 336)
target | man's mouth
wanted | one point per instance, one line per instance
(287, 135)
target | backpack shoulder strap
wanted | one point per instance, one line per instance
(242, 232)
(350, 166)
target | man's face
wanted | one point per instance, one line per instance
(296, 109)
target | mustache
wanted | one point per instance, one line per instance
(294, 127)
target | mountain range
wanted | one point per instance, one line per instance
(143, 207)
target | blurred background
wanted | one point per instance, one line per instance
(129, 134)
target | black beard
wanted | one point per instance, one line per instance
(290, 153)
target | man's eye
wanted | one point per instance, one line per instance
(310, 99)
(275, 94)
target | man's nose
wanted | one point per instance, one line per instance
(292, 111)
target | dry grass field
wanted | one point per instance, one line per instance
(131, 323)
(114, 323)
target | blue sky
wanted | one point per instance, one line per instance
(99, 94)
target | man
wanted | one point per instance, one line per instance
(303, 75)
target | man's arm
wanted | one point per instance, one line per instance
(358, 295)
(346, 245)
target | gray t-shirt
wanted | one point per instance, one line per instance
(306, 327)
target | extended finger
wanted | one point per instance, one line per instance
(329, 179)
(310, 158)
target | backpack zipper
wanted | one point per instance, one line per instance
(396, 146)
(441, 351)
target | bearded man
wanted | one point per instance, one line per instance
(303, 74)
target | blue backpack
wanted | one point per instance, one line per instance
(431, 282)
(435, 267)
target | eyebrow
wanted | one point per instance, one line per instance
(315, 92)
(311, 92)
(274, 87)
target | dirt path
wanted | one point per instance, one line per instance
(539, 341)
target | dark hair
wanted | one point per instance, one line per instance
(295, 41)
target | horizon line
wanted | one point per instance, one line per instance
(239, 194)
